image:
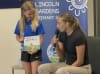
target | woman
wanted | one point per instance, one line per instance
(29, 25)
(73, 48)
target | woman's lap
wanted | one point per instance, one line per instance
(64, 68)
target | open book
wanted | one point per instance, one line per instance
(32, 43)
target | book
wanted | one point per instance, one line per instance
(31, 43)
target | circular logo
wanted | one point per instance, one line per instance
(52, 54)
(79, 4)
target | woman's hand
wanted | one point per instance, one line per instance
(54, 40)
(60, 49)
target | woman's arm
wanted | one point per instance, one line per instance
(59, 46)
(80, 51)
(54, 40)
(60, 49)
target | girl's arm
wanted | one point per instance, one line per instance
(41, 39)
(19, 39)
(80, 50)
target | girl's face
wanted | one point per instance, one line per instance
(60, 24)
(29, 12)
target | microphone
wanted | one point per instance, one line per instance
(54, 45)
(57, 36)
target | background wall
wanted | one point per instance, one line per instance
(90, 18)
(9, 47)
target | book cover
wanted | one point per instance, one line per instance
(32, 43)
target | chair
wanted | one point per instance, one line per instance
(16, 67)
(94, 53)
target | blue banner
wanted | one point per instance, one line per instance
(79, 9)
(48, 11)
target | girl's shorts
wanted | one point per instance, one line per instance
(26, 57)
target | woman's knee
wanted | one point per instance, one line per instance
(62, 71)
(72, 70)
(44, 67)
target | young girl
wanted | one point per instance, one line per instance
(29, 25)
(73, 49)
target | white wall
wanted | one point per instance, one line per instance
(90, 18)
(9, 47)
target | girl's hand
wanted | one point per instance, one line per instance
(31, 52)
(21, 39)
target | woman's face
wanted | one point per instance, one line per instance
(68, 26)
(29, 12)
(60, 24)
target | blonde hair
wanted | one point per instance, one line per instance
(73, 21)
(35, 20)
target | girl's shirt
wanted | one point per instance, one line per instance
(28, 31)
